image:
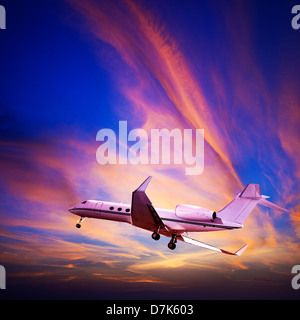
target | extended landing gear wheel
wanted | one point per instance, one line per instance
(78, 225)
(155, 236)
(171, 245)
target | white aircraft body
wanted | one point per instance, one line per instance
(185, 218)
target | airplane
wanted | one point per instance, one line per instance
(176, 223)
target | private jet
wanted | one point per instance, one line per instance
(175, 224)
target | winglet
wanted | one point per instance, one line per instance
(240, 251)
(144, 185)
(237, 253)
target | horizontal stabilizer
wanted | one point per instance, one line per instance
(207, 246)
(271, 205)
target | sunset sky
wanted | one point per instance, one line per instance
(69, 68)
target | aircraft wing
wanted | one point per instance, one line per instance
(207, 246)
(143, 214)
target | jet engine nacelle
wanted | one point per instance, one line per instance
(189, 212)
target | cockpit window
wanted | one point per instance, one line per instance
(83, 202)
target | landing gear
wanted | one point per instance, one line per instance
(78, 225)
(155, 236)
(172, 243)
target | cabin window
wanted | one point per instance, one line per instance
(119, 209)
(127, 210)
(111, 208)
(83, 202)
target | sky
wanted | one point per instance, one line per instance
(71, 68)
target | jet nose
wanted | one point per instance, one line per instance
(72, 210)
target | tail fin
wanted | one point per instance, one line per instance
(240, 208)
